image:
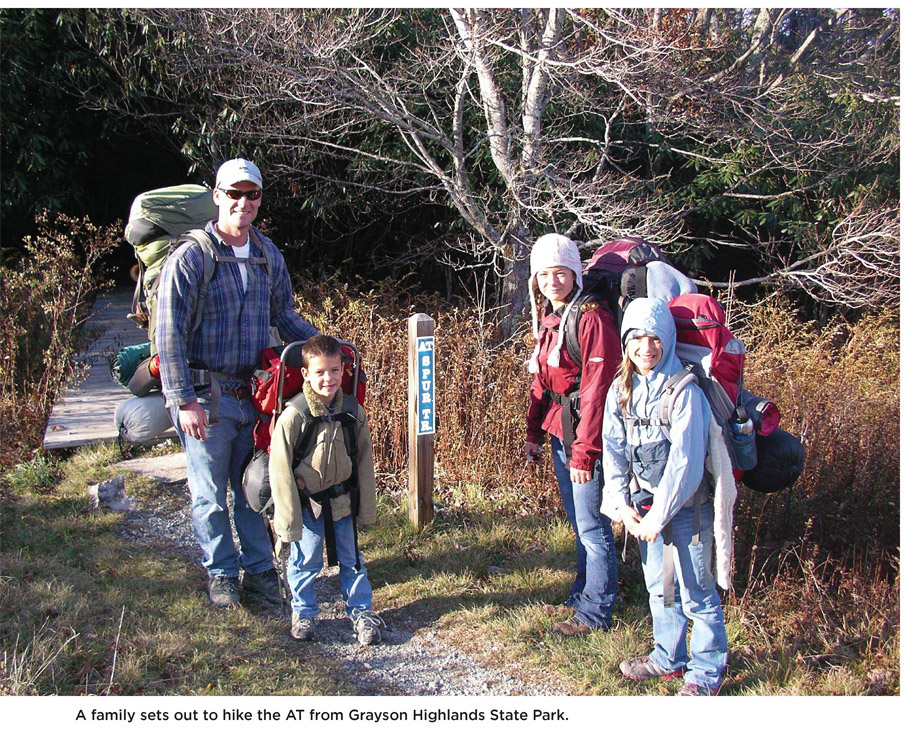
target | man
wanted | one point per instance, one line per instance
(205, 375)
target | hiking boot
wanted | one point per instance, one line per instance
(367, 626)
(223, 590)
(572, 627)
(303, 629)
(263, 586)
(643, 668)
(696, 690)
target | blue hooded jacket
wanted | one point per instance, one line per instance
(669, 469)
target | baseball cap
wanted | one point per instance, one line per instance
(237, 170)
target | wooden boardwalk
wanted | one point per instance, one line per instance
(84, 414)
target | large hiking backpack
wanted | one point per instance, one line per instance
(714, 359)
(280, 378)
(156, 217)
(619, 272)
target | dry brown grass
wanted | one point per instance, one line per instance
(838, 390)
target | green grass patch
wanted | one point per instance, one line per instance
(86, 611)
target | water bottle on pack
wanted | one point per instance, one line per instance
(744, 440)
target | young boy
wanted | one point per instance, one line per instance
(323, 482)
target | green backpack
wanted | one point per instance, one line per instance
(160, 221)
(155, 218)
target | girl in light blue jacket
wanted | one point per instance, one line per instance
(655, 482)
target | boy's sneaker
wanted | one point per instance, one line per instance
(264, 586)
(223, 590)
(367, 625)
(696, 690)
(643, 668)
(572, 627)
(303, 629)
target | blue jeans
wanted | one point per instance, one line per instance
(210, 466)
(699, 603)
(307, 560)
(595, 587)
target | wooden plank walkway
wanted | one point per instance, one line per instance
(84, 414)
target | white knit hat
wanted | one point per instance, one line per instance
(549, 251)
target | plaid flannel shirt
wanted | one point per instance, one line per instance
(234, 327)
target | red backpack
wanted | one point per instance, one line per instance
(709, 349)
(703, 337)
(282, 366)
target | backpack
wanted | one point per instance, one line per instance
(268, 394)
(155, 218)
(618, 272)
(162, 220)
(279, 378)
(714, 359)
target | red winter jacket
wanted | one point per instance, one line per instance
(600, 349)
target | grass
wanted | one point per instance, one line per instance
(86, 612)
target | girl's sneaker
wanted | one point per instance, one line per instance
(367, 625)
(642, 668)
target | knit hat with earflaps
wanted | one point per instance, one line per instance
(549, 251)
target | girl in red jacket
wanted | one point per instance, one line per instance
(555, 284)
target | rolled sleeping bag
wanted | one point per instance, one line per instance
(781, 461)
(142, 420)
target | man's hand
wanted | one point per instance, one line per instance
(194, 420)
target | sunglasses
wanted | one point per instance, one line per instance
(237, 194)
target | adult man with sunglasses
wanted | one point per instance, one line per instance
(205, 375)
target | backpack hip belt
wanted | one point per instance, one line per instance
(202, 378)
(569, 416)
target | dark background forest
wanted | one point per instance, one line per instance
(753, 145)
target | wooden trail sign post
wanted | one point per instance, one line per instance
(421, 419)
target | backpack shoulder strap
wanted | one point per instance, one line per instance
(306, 433)
(669, 394)
(672, 389)
(266, 253)
(210, 257)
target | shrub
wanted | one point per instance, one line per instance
(44, 299)
(838, 390)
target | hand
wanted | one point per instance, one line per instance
(646, 533)
(532, 451)
(580, 476)
(630, 519)
(194, 420)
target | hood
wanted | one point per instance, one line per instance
(652, 317)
